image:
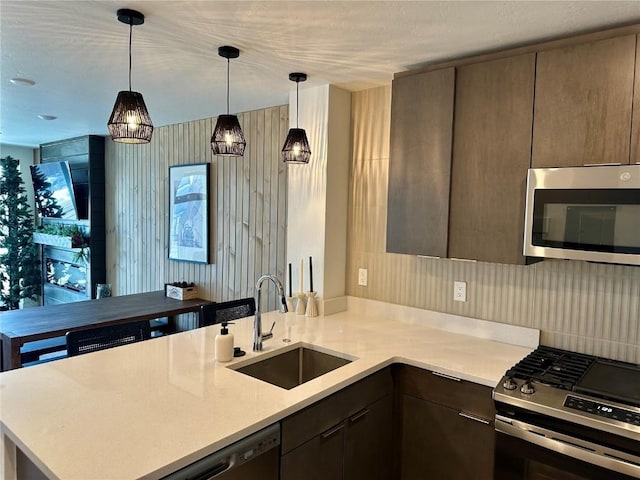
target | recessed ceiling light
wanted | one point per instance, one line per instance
(25, 82)
(47, 117)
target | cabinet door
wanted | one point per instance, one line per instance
(369, 442)
(635, 123)
(420, 163)
(328, 412)
(320, 458)
(583, 103)
(439, 443)
(491, 155)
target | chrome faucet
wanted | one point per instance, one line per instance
(258, 336)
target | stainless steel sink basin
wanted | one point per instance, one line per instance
(293, 367)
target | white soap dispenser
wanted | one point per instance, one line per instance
(224, 344)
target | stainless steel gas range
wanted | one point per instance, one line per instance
(568, 416)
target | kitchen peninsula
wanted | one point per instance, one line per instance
(145, 410)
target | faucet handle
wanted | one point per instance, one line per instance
(269, 334)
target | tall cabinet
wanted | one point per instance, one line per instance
(491, 154)
(420, 163)
(85, 156)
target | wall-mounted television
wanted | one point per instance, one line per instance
(54, 192)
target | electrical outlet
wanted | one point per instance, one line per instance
(362, 277)
(460, 291)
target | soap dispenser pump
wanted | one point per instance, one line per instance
(224, 344)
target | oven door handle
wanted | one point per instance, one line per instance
(570, 446)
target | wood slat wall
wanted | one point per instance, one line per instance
(247, 209)
(577, 305)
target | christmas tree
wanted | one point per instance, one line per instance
(19, 259)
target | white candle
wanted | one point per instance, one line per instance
(301, 275)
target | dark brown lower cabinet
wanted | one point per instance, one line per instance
(358, 448)
(446, 427)
(413, 424)
(345, 436)
(369, 442)
(439, 443)
(318, 459)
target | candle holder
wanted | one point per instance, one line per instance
(290, 304)
(300, 305)
(312, 308)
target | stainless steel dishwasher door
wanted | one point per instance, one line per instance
(254, 457)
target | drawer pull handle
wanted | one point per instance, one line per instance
(448, 377)
(474, 418)
(470, 260)
(333, 430)
(359, 415)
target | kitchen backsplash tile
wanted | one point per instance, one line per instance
(592, 308)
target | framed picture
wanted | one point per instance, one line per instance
(189, 213)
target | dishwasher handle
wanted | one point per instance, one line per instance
(234, 456)
(218, 469)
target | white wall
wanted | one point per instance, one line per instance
(27, 157)
(317, 195)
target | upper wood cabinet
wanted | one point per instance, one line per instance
(491, 155)
(420, 163)
(635, 122)
(583, 102)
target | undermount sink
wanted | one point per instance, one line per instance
(294, 366)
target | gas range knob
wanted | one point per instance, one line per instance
(509, 384)
(527, 388)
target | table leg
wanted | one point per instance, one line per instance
(172, 325)
(10, 354)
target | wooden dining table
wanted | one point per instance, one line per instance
(18, 327)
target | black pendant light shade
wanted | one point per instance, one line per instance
(227, 138)
(130, 121)
(296, 147)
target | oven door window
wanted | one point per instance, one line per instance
(600, 220)
(517, 459)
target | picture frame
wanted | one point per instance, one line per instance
(189, 213)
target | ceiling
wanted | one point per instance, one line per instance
(76, 51)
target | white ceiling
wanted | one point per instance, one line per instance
(76, 51)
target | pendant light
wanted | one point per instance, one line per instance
(227, 138)
(296, 146)
(130, 121)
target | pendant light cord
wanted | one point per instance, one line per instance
(130, 35)
(228, 86)
(297, 103)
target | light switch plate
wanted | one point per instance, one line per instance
(460, 291)
(362, 277)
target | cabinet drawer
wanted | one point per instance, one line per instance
(321, 416)
(454, 393)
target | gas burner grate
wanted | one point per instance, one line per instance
(552, 366)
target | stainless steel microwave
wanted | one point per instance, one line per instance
(584, 213)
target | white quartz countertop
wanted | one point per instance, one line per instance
(148, 409)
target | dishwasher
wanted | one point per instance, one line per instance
(254, 457)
